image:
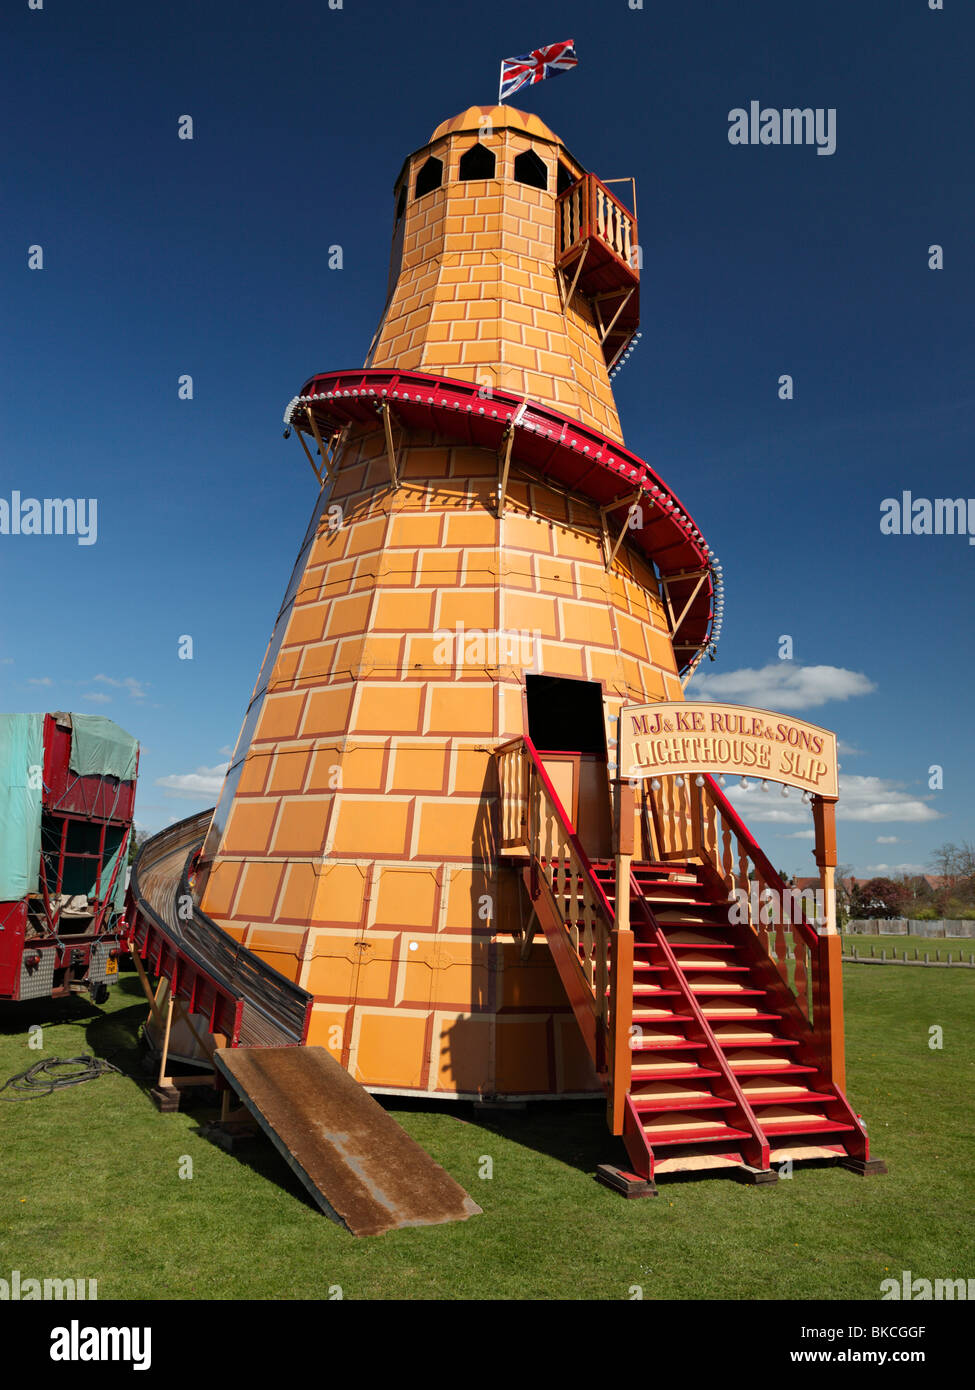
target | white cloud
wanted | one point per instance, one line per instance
(137, 689)
(887, 840)
(861, 799)
(202, 784)
(782, 685)
(97, 697)
(876, 799)
(39, 680)
(895, 869)
(226, 751)
(799, 835)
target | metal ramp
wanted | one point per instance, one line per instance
(361, 1168)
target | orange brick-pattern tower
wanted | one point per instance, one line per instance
(354, 844)
(477, 295)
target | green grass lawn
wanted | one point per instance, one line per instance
(91, 1186)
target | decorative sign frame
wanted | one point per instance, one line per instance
(694, 736)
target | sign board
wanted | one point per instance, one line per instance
(696, 736)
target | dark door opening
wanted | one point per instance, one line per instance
(565, 715)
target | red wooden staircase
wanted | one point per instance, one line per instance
(712, 1030)
(721, 1076)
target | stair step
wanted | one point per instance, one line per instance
(696, 1163)
(658, 1042)
(777, 1093)
(770, 1066)
(808, 1123)
(686, 965)
(798, 1152)
(722, 1013)
(742, 1038)
(648, 1105)
(694, 941)
(669, 1070)
(726, 989)
(679, 1128)
(661, 1016)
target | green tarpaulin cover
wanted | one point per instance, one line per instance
(21, 789)
(99, 748)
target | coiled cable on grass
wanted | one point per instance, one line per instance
(50, 1074)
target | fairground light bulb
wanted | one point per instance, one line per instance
(743, 783)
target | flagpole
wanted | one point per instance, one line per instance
(500, 85)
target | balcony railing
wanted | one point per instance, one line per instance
(588, 210)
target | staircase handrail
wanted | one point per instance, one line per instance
(770, 875)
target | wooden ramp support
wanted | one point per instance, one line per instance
(362, 1169)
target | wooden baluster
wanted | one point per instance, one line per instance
(743, 884)
(680, 803)
(590, 939)
(802, 974)
(601, 940)
(670, 815)
(727, 859)
(780, 946)
(709, 840)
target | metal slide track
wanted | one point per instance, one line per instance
(243, 996)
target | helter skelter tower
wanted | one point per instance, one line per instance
(485, 560)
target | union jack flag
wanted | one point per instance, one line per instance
(529, 68)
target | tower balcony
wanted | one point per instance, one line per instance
(598, 255)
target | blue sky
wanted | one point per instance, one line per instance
(164, 257)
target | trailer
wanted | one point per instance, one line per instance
(67, 797)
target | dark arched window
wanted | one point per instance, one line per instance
(429, 177)
(477, 163)
(565, 179)
(530, 169)
(401, 203)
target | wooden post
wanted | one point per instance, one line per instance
(824, 820)
(625, 825)
(621, 965)
(164, 1055)
(828, 1001)
(621, 1002)
(828, 1010)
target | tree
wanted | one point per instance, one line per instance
(880, 897)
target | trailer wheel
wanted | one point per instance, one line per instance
(99, 993)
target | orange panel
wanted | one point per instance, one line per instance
(524, 1060)
(389, 1048)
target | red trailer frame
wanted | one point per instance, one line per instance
(40, 956)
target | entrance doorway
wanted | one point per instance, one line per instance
(567, 726)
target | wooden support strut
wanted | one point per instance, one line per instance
(326, 459)
(609, 327)
(385, 412)
(629, 500)
(575, 278)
